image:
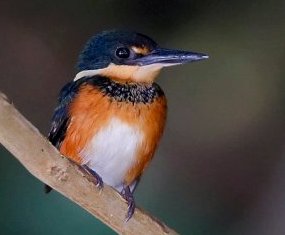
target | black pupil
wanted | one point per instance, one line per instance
(123, 52)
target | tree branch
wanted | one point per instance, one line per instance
(42, 160)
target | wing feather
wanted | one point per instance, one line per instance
(61, 118)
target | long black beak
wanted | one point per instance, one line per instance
(169, 57)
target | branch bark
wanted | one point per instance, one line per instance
(43, 161)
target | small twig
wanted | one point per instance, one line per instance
(42, 160)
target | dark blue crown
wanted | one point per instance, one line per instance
(99, 51)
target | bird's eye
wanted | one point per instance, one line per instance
(123, 53)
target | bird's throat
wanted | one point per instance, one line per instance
(125, 73)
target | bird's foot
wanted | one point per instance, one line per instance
(129, 197)
(99, 181)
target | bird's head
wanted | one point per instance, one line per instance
(128, 57)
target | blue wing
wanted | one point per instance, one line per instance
(60, 119)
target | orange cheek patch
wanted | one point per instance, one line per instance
(132, 73)
(119, 72)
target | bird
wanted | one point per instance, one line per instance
(111, 116)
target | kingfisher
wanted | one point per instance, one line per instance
(111, 116)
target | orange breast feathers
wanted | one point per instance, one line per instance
(91, 111)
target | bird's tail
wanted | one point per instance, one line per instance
(47, 188)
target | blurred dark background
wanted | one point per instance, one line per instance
(220, 168)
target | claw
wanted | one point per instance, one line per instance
(99, 181)
(129, 197)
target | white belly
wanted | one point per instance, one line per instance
(112, 151)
